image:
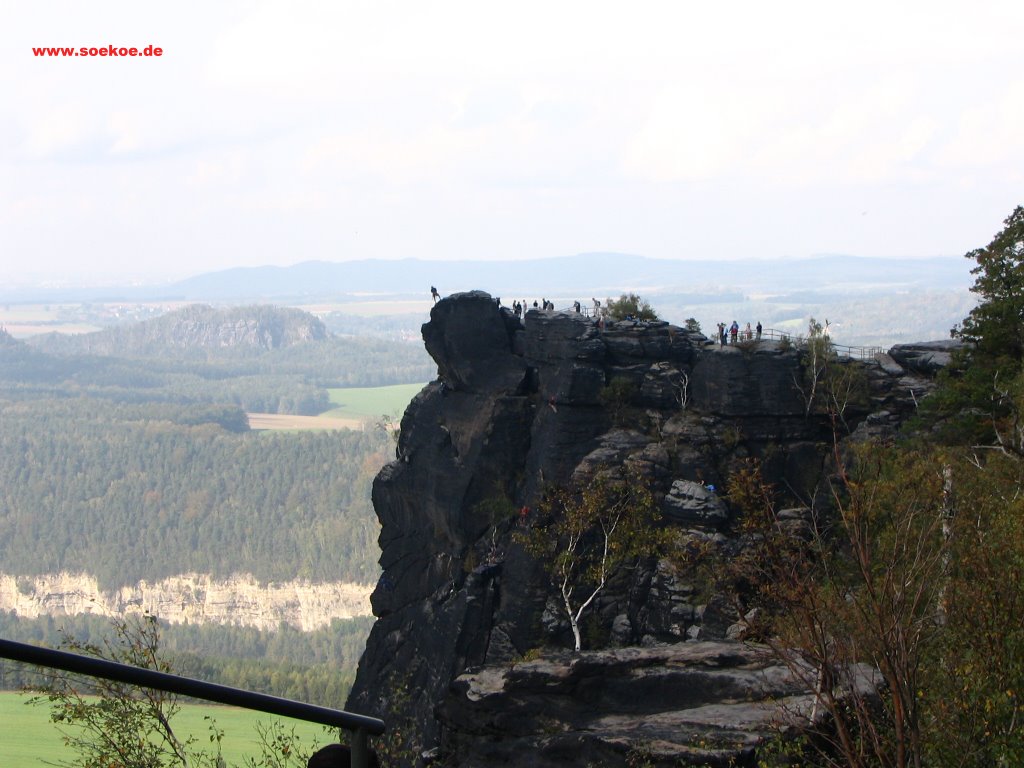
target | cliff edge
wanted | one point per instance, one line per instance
(461, 656)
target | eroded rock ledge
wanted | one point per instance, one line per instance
(193, 598)
(703, 703)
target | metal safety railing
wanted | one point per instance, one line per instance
(770, 334)
(360, 726)
(766, 334)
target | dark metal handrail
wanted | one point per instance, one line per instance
(770, 334)
(361, 725)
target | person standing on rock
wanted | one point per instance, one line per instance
(435, 294)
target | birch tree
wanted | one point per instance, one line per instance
(588, 533)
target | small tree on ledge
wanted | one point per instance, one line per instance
(593, 530)
(630, 305)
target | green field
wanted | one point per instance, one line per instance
(29, 740)
(370, 402)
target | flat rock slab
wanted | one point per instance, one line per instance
(697, 703)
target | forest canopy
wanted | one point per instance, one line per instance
(124, 492)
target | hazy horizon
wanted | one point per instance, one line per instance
(485, 272)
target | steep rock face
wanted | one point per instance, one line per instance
(193, 598)
(520, 407)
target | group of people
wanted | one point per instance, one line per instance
(520, 308)
(727, 334)
(732, 334)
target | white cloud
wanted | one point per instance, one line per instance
(58, 129)
(990, 135)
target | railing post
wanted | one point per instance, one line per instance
(360, 755)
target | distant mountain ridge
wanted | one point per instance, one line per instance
(198, 327)
(600, 273)
(579, 275)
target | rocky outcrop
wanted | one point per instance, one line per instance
(927, 357)
(190, 598)
(699, 704)
(520, 407)
(195, 328)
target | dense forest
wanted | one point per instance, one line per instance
(125, 491)
(309, 666)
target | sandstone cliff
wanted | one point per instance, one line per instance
(193, 598)
(519, 407)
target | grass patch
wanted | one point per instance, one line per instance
(370, 402)
(29, 740)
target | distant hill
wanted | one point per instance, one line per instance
(581, 275)
(196, 329)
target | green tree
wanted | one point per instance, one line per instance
(982, 391)
(848, 599)
(973, 711)
(109, 724)
(996, 326)
(594, 529)
(630, 305)
(816, 354)
(829, 384)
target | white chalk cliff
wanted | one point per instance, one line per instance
(193, 598)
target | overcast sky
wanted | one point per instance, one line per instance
(277, 132)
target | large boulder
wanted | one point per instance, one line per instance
(927, 357)
(688, 502)
(687, 704)
(471, 340)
